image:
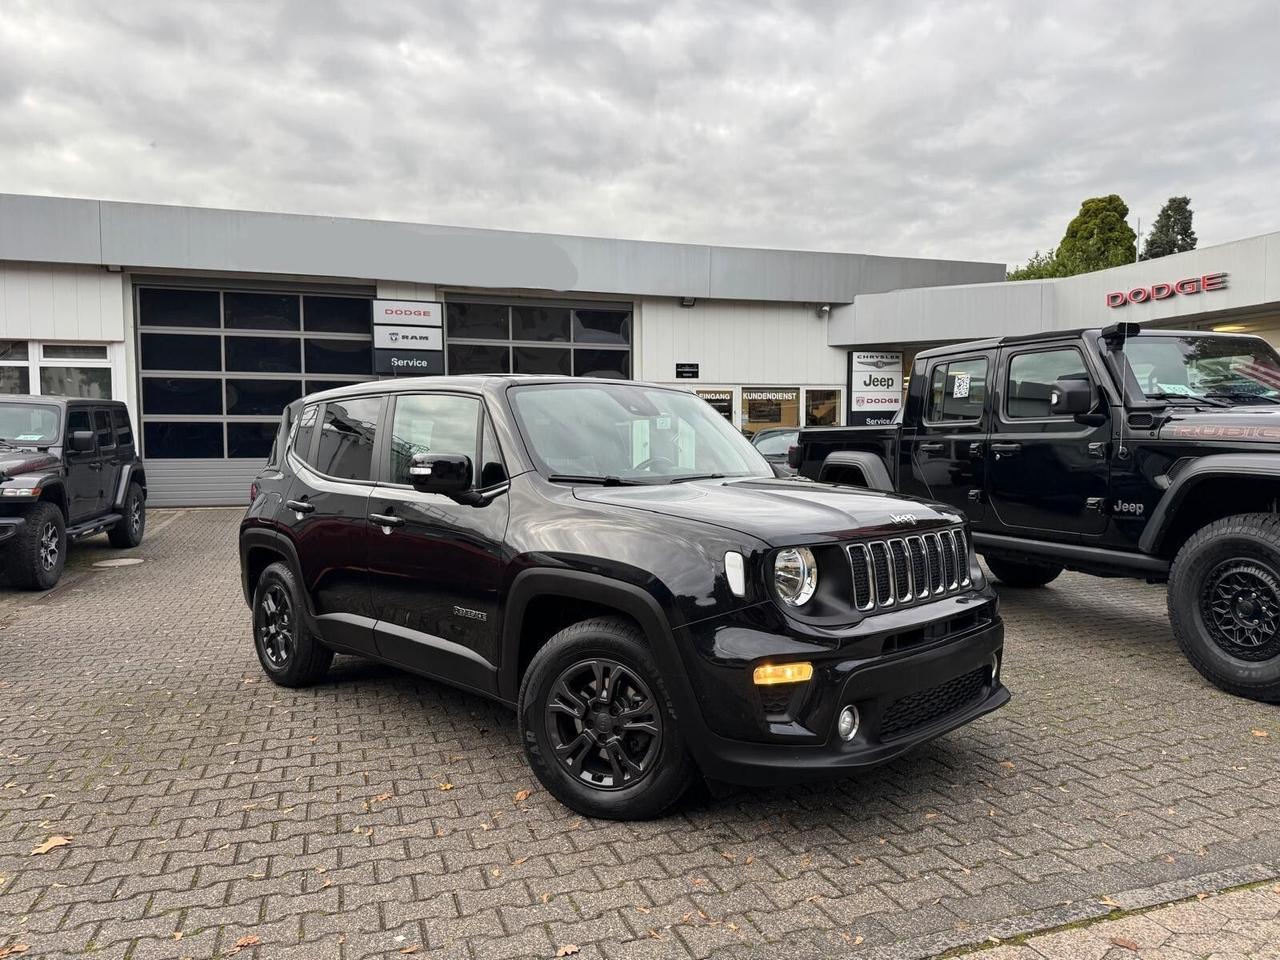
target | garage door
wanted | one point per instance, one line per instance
(216, 367)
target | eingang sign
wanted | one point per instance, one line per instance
(1186, 287)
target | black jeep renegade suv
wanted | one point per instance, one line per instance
(616, 562)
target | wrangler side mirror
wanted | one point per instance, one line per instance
(1070, 398)
(80, 441)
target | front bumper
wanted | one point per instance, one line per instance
(905, 693)
(9, 527)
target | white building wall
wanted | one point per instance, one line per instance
(735, 342)
(61, 302)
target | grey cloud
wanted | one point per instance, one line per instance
(924, 129)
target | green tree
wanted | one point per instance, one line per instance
(1097, 238)
(1040, 266)
(1172, 232)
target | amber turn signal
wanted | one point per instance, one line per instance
(782, 673)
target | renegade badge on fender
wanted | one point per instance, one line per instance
(617, 563)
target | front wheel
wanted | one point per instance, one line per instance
(36, 555)
(1014, 574)
(1224, 604)
(599, 728)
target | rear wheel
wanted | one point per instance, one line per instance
(1224, 604)
(599, 728)
(287, 650)
(35, 557)
(1014, 573)
(129, 530)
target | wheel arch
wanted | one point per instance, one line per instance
(1209, 489)
(55, 492)
(851, 466)
(259, 548)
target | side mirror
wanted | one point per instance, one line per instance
(1070, 398)
(81, 441)
(433, 474)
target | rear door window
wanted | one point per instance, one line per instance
(348, 432)
(957, 391)
(102, 427)
(124, 429)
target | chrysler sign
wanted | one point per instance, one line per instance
(1186, 287)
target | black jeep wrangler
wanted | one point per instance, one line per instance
(617, 563)
(1117, 452)
(68, 469)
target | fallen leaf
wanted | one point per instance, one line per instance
(1007, 764)
(546, 898)
(252, 940)
(698, 881)
(1108, 902)
(1261, 733)
(496, 872)
(382, 798)
(728, 856)
(749, 861)
(414, 948)
(640, 909)
(1124, 942)
(13, 950)
(177, 934)
(518, 860)
(446, 785)
(568, 950)
(520, 796)
(51, 844)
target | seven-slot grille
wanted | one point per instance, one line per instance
(911, 569)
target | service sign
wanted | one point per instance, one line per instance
(875, 387)
(408, 337)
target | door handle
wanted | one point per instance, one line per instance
(386, 520)
(1098, 450)
(95, 466)
(300, 506)
(1006, 447)
(930, 447)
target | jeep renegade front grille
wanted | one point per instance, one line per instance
(909, 570)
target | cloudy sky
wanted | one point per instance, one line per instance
(952, 129)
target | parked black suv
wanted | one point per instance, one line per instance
(1117, 452)
(616, 562)
(68, 469)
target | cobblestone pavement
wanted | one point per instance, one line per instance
(376, 812)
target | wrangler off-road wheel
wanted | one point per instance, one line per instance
(598, 725)
(1224, 604)
(34, 558)
(288, 652)
(1015, 574)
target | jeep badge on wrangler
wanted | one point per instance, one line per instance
(617, 563)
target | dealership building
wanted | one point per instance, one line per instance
(207, 322)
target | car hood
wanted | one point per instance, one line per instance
(779, 512)
(1246, 424)
(13, 463)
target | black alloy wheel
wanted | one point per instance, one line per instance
(275, 626)
(1240, 603)
(604, 724)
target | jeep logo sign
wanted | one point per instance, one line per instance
(1163, 291)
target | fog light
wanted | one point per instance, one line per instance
(847, 725)
(782, 673)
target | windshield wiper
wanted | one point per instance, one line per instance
(1240, 395)
(1195, 399)
(609, 481)
(697, 476)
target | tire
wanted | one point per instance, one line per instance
(1015, 574)
(36, 556)
(133, 524)
(289, 653)
(555, 709)
(1224, 604)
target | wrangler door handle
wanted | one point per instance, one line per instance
(1006, 447)
(386, 520)
(300, 506)
(930, 447)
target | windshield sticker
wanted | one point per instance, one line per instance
(960, 387)
(29, 436)
(1176, 389)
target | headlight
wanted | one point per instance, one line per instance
(795, 575)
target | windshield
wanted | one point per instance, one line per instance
(28, 424)
(1237, 369)
(774, 444)
(630, 433)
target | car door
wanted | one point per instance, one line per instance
(948, 446)
(435, 564)
(84, 469)
(325, 514)
(109, 456)
(1046, 473)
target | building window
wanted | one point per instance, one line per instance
(219, 366)
(821, 408)
(764, 407)
(56, 369)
